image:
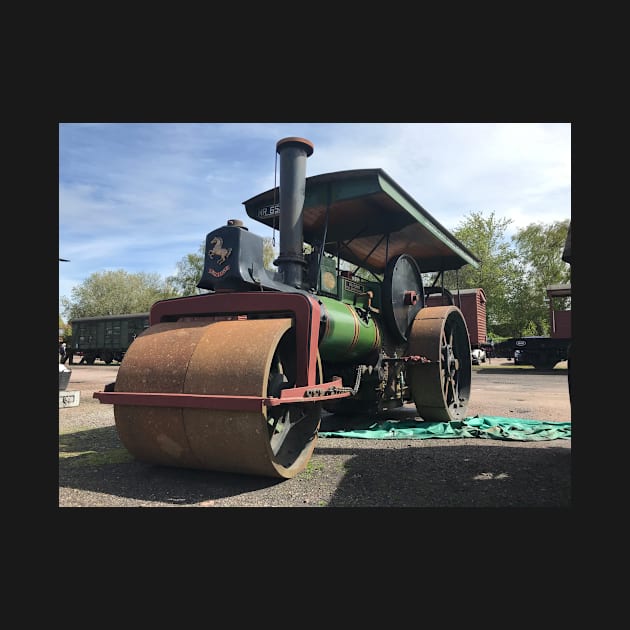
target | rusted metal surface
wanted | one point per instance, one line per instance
(224, 358)
(440, 387)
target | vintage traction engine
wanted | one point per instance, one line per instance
(237, 379)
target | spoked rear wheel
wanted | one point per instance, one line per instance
(440, 388)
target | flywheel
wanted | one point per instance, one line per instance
(440, 388)
(253, 357)
(403, 295)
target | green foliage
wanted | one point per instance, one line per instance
(541, 245)
(269, 254)
(514, 276)
(311, 469)
(66, 334)
(189, 270)
(497, 270)
(65, 330)
(116, 293)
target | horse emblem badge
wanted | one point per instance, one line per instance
(221, 253)
(218, 250)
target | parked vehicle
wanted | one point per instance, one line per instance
(471, 302)
(540, 351)
(106, 338)
(478, 355)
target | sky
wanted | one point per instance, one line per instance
(141, 196)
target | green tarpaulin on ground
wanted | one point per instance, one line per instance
(489, 427)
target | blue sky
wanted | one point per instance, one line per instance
(141, 196)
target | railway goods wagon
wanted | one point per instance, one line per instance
(106, 338)
(472, 303)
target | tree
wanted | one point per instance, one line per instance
(116, 293)
(541, 246)
(189, 270)
(522, 314)
(65, 330)
(498, 271)
(269, 254)
(514, 275)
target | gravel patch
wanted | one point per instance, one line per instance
(95, 470)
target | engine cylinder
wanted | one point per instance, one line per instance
(346, 336)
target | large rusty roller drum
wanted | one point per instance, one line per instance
(230, 358)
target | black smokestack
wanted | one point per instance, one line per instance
(293, 153)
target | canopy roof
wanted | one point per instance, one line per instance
(371, 219)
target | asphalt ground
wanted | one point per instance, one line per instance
(95, 470)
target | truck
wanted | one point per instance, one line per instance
(543, 352)
(106, 337)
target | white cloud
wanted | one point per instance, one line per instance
(142, 196)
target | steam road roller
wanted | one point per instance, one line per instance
(236, 379)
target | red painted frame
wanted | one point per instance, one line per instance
(305, 311)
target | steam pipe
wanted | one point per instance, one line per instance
(293, 153)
